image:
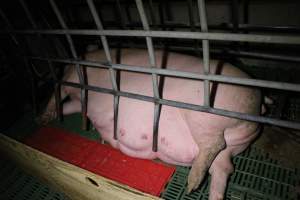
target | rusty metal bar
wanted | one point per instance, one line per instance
(157, 106)
(83, 92)
(205, 46)
(112, 72)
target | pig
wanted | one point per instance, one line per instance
(204, 141)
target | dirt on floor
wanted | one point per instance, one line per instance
(281, 144)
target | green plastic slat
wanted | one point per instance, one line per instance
(17, 185)
(256, 177)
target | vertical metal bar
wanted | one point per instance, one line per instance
(121, 18)
(80, 73)
(246, 18)
(112, 72)
(157, 106)
(191, 14)
(32, 79)
(205, 44)
(190, 4)
(57, 85)
(246, 11)
(152, 13)
(235, 15)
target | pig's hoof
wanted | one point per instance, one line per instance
(194, 179)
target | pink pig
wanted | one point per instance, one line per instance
(189, 138)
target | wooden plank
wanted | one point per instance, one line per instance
(73, 181)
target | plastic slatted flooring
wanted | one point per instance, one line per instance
(256, 177)
(17, 185)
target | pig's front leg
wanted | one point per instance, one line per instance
(209, 144)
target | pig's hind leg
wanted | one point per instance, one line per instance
(209, 145)
(220, 170)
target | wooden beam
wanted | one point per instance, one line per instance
(73, 181)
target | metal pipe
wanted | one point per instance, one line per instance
(235, 15)
(226, 113)
(187, 75)
(247, 54)
(152, 13)
(205, 46)
(41, 42)
(25, 60)
(274, 39)
(157, 107)
(83, 95)
(112, 73)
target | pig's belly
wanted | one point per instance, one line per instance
(175, 142)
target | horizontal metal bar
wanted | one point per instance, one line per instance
(239, 53)
(276, 39)
(226, 113)
(181, 74)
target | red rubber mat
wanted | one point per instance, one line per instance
(144, 175)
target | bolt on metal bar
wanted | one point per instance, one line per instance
(205, 45)
(57, 86)
(182, 74)
(109, 59)
(80, 73)
(272, 39)
(157, 106)
(216, 111)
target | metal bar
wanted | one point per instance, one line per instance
(187, 75)
(152, 13)
(226, 113)
(205, 46)
(235, 15)
(111, 71)
(157, 107)
(264, 56)
(191, 14)
(83, 95)
(25, 60)
(223, 26)
(247, 54)
(275, 39)
(57, 86)
(121, 18)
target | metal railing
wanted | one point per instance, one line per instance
(148, 34)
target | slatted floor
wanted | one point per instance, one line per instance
(256, 177)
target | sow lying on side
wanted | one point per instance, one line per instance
(202, 140)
